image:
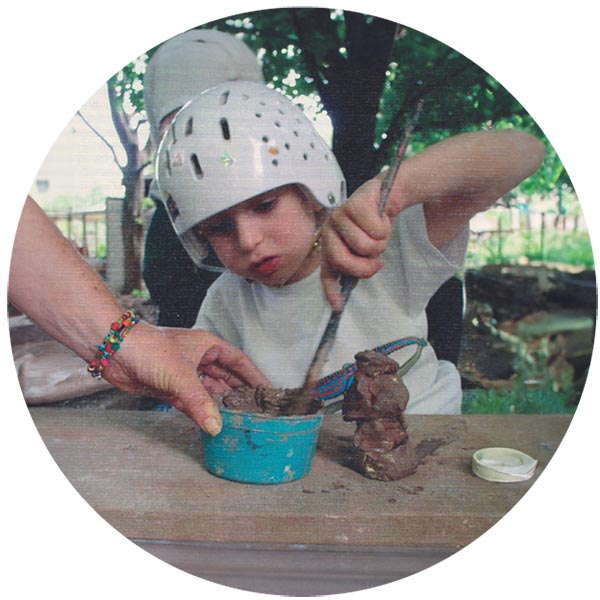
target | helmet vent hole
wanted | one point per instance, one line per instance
(305, 156)
(296, 133)
(224, 98)
(275, 162)
(265, 139)
(189, 126)
(287, 146)
(225, 129)
(168, 163)
(258, 115)
(277, 124)
(196, 166)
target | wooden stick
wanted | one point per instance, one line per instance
(348, 282)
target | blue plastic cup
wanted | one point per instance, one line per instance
(255, 448)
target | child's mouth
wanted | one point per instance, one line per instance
(267, 266)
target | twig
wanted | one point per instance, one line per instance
(400, 152)
(106, 142)
(348, 282)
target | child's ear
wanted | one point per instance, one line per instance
(310, 201)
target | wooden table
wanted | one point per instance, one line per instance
(142, 472)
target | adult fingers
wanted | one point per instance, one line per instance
(194, 401)
(224, 358)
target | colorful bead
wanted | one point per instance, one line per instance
(112, 342)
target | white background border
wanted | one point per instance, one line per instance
(55, 55)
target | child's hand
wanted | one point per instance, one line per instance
(353, 240)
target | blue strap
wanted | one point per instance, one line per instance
(336, 384)
(339, 382)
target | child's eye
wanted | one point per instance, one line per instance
(265, 206)
(219, 228)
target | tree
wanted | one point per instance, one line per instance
(367, 73)
(126, 107)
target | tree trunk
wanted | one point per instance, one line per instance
(132, 228)
(350, 86)
(134, 192)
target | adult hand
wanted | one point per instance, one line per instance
(165, 363)
(353, 240)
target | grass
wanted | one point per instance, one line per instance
(567, 247)
(518, 400)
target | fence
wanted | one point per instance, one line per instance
(98, 236)
(514, 235)
(85, 229)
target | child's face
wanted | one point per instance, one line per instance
(267, 238)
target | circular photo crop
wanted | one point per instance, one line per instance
(302, 301)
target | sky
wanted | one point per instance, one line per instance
(79, 162)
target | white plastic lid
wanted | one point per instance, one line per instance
(503, 464)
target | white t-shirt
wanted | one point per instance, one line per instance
(280, 328)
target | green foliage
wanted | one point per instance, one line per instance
(557, 246)
(520, 400)
(128, 86)
(337, 58)
(137, 293)
(64, 204)
(574, 248)
(326, 50)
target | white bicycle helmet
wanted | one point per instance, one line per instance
(189, 63)
(236, 141)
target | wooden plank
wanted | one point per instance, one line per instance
(143, 473)
(282, 569)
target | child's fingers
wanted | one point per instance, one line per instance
(359, 241)
(361, 212)
(338, 258)
(331, 287)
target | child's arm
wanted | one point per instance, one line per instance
(453, 179)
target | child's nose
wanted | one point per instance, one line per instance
(249, 234)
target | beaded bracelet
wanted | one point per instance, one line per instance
(112, 342)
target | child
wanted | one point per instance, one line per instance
(243, 172)
(181, 68)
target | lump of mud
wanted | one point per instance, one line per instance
(388, 466)
(380, 435)
(275, 402)
(376, 400)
